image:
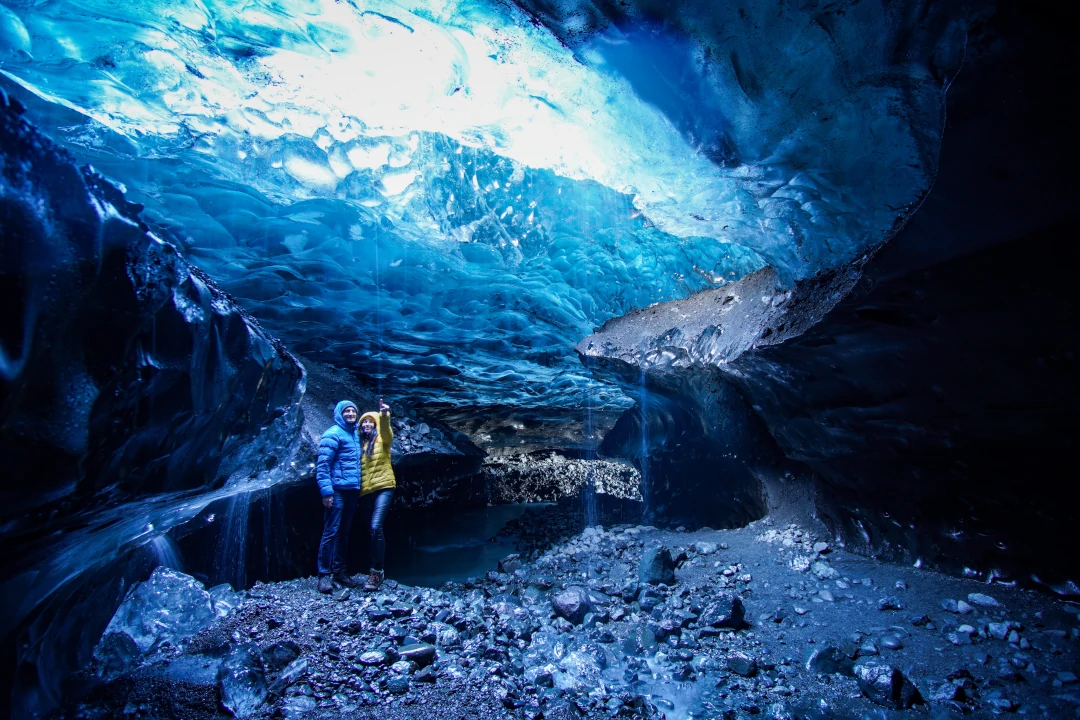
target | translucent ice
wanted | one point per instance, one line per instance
(242, 680)
(802, 133)
(169, 607)
(446, 196)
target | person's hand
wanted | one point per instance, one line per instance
(383, 407)
(328, 502)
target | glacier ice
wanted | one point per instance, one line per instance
(445, 196)
(167, 608)
(802, 133)
(242, 680)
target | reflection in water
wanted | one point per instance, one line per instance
(455, 545)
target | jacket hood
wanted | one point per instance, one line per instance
(374, 416)
(340, 420)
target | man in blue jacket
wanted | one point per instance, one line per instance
(338, 473)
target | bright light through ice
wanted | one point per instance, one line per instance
(514, 90)
(814, 171)
(482, 74)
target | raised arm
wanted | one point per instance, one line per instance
(386, 433)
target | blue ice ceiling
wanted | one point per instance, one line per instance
(446, 196)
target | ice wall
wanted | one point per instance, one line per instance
(446, 196)
(133, 393)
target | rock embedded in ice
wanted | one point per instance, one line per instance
(541, 675)
(168, 607)
(578, 670)
(657, 566)
(242, 681)
(298, 705)
(885, 685)
(224, 599)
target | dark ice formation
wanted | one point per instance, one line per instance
(931, 397)
(129, 379)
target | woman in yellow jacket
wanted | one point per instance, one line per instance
(377, 479)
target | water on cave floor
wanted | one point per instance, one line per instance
(454, 545)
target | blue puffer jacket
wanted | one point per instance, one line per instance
(338, 466)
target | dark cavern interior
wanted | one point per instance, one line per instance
(671, 360)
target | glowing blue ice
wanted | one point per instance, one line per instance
(446, 196)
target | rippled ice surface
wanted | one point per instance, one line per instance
(446, 196)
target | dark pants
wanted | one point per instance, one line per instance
(335, 535)
(380, 504)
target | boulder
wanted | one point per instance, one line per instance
(572, 604)
(885, 685)
(280, 654)
(292, 673)
(830, 661)
(657, 566)
(742, 664)
(724, 611)
(422, 654)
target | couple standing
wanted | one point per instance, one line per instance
(354, 461)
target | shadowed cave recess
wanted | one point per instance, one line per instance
(683, 265)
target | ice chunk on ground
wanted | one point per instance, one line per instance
(168, 607)
(116, 654)
(242, 680)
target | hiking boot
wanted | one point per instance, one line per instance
(346, 580)
(374, 580)
(326, 584)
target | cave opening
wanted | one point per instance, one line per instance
(729, 353)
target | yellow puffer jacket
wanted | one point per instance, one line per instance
(375, 471)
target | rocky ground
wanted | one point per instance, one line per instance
(630, 621)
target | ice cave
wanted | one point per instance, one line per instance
(560, 359)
